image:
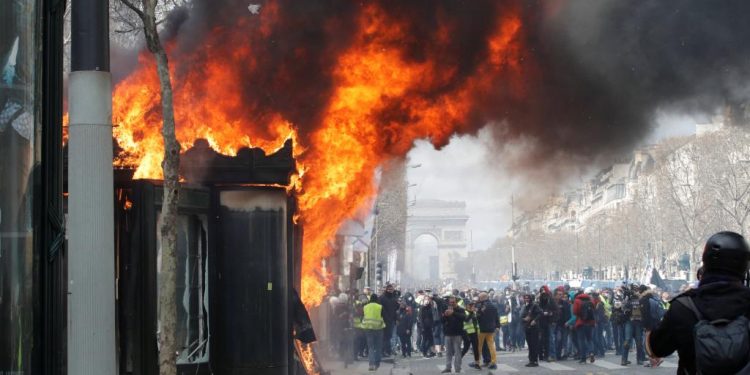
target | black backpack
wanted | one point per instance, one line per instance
(587, 309)
(721, 345)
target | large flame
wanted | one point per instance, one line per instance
(380, 104)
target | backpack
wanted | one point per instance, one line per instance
(587, 309)
(656, 309)
(721, 345)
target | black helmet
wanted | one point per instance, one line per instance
(726, 253)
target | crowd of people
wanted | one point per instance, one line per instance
(707, 325)
(553, 325)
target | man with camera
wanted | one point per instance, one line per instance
(453, 329)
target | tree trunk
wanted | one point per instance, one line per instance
(168, 227)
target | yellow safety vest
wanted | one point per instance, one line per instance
(607, 307)
(373, 318)
(469, 327)
(356, 320)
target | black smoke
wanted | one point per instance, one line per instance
(597, 72)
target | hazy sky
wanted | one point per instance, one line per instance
(465, 171)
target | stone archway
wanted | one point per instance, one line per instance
(446, 222)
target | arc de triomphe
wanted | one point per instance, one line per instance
(446, 222)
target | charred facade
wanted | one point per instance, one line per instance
(238, 253)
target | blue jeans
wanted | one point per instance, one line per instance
(618, 334)
(497, 340)
(608, 339)
(374, 346)
(561, 341)
(633, 330)
(585, 340)
(437, 334)
(573, 343)
(599, 339)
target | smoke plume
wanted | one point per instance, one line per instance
(593, 73)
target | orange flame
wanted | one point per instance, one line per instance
(307, 357)
(353, 137)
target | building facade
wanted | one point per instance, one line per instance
(31, 239)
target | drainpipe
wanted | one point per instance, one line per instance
(91, 266)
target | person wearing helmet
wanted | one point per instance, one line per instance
(720, 295)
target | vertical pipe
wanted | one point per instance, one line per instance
(91, 303)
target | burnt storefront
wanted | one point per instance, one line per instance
(237, 264)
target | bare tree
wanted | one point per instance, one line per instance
(683, 192)
(146, 10)
(726, 164)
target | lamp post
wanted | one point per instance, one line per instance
(514, 266)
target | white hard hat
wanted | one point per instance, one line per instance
(588, 290)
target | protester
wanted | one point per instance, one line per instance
(404, 328)
(632, 326)
(389, 301)
(488, 320)
(373, 325)
(547, 322)
(531, 316)
(453, 327)
(618, 319)
(470, 335)
(720, 295)
(427, 323)
(584, 308)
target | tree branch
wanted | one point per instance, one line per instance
(134, 8)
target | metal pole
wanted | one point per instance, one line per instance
(91, 284)
(514, 270)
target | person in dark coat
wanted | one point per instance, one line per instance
(720, 295)
(427, 323)
(489, 321)
(530, 316)
(561, 331)
(584, 307)
(404, 328)
(389, 301)
(453, 328)
(547, 322)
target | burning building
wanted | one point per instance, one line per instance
(238, 265)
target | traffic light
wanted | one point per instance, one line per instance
(379, 272)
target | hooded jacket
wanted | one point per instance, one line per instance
(405, 320)
(577, 309)
(715, 300)
(548, 307)
(531, 313)
(389, 301)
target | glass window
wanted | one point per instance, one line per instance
(191, 291)
(17, 158)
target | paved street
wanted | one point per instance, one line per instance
(508, 363)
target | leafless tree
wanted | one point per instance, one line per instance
(147, 12)
(726, 166)
(683, 192)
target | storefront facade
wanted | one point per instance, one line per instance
(31, 236)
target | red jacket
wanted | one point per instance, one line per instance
(578, 304)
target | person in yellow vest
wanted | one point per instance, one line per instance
(373, 325)
(470, 335)
(360, 342)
